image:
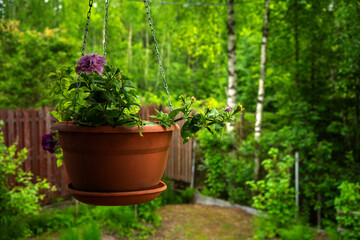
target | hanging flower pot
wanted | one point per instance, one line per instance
(111, 155)
(106, 159)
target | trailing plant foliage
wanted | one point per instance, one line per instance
(104, 96)
(19, 196)
(107, 99)
(275, 195)
(347, 205)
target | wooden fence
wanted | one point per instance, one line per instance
(27, 126)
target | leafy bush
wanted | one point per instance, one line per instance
(75, 224)
(28, 56)
(297, 232)
(275, 195)
(226, 172)
(19, 196)
(347, 202)
(120, 220)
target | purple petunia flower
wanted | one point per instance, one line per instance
(228, 109)
(90, 63)
(49, 142)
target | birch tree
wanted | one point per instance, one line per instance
(231, 52)
(261, 90)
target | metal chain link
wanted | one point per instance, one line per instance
(83, 51)
(105, 25)
(147, 8)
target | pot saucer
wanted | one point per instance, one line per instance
(117, 198)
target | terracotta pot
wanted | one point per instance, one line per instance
(107, 159)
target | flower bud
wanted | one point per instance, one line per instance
(228, 109)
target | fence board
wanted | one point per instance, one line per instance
(26, 136)
(27, 126)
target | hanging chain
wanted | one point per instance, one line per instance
(83, 51)
(105, 25)
(147, 8)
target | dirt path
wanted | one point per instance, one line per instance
(192, 221)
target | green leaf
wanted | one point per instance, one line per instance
(59, 162)
(175, 112)
(95, 117)
(84, 76)
(151, 123)
(130, 84)
(129, 124)
(213, 113)
(107, 68)
(97, 96)
(124, 77)
(74, 85)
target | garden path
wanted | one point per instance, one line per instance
(202, 222)
(194, 221)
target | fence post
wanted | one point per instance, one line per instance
(193, 162)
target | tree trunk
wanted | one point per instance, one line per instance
(261, 90)
(318, 211)
(129, 55)
(357, 102)
(296, 30)
(231, 52)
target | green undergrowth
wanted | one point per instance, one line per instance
(89, 222)
(86, 220)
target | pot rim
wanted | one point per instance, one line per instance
(161, 186)
(71, 127)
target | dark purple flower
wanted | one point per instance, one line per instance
(49, 142)
(90, 63)
(228, 109)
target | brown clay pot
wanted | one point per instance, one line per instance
(107, 159)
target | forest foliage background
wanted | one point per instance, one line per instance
(312, 83)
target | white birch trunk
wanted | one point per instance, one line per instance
(129, 55)
(261, 90)
(231, 50)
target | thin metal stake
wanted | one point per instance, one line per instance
(297, 160)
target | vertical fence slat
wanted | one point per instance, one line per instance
(47, 123)
(41, 128)
(33, 140)
(27, 138)
(10, 126)
(18, 138)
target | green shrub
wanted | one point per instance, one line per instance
(187, 195)
(91, 220)
(275, 196)
(226, 170)
(19, 196)
(297, 232)
(349, 201)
